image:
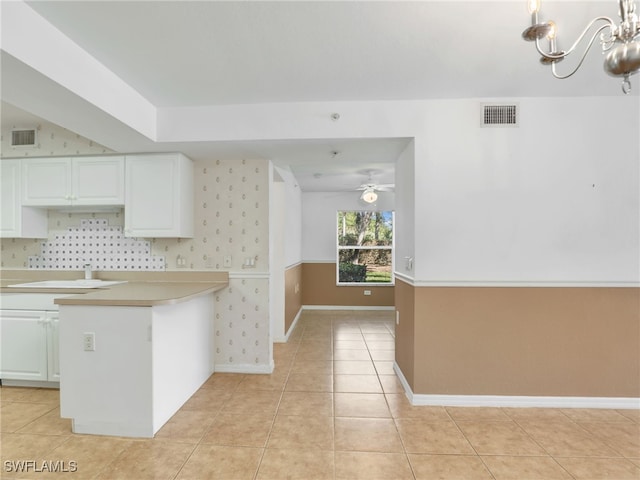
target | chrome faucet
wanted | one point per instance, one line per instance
(87, 271)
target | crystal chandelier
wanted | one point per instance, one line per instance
(620, 41)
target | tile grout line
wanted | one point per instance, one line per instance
(470, 444)
(540, 445)
(284, 386)
(197, 444)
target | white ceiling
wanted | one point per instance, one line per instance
(186, 53)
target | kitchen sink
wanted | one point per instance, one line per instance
(80, 283)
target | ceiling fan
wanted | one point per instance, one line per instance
(370, 190)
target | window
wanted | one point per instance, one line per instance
(365, 248)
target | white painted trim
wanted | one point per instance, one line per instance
(285, 338)
(346, 307)
(251, 275)
(319, 261)
(293, 265)
(516, 401)
(245, 368)
(403, 382)
(521, 283)
(526, 401)
(403, 277)
(30, 383)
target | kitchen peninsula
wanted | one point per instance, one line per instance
(133, 353)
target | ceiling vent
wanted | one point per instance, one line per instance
(503, 115)
(23, 138)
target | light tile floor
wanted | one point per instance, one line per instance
(332, 409)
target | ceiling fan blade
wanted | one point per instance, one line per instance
(386, 187)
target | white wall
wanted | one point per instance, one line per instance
(293, 218)
(277, 247)
(319, 217)
(555, 200)
(405, 211)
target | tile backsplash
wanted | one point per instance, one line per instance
(99, 244)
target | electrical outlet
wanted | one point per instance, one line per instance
(367, 292)
(89, 341)
(226, 261)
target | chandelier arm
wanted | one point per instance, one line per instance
(558, 56)
(584, 55)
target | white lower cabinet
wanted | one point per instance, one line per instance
(29, 346)
(53, 347)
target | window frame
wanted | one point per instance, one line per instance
(366, 247)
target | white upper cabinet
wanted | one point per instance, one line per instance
(17, 221)
(79, 181)
(159, 196)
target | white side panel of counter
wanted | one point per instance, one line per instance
(147, 363)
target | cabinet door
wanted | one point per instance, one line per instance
(23, 342)
(53, 347)
(17, 221)
(98, 181)
(46, 182)
(159, 196)
(10, 197)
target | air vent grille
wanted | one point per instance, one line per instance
(23, 138)
(500, 115)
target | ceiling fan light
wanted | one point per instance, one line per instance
(369, 195)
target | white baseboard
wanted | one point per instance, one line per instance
(244, 368)
(346, 307)
(514, 400)
(285, 338)
(30, 383)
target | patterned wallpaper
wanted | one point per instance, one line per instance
(231, 220)
(50, 140)
(231, 230)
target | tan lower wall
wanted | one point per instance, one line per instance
(292, 294)
(319, 288)
(405, 306)
(581, 342)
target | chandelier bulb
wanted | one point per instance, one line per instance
(553, 30)
(534, 6)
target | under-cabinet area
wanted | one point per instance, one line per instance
(155, 191)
